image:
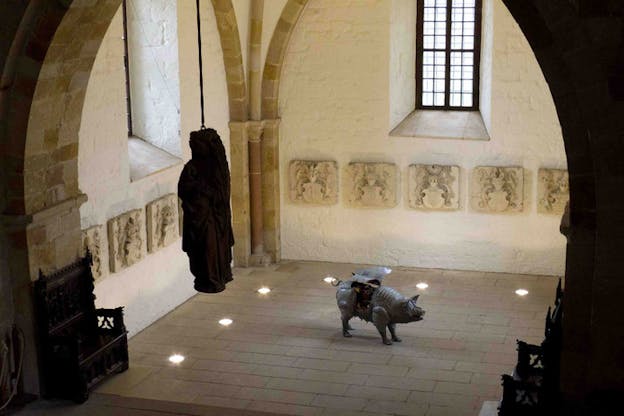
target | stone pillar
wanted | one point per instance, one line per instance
(271, 189)
(250, 157)
(44, 241)
(239, 177)
(258, 254)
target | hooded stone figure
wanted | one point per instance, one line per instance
(207, 236)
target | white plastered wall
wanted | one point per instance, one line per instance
(334, 103)
(161, 281)
(402, 60)
(154, 72)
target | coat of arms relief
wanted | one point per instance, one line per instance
(552, 191)
(433, 187)
(371, 185)
(497, 189)
(313, 182)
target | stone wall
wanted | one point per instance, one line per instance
(154, 72)
(402, 60)
(161, 280)
(334, 103)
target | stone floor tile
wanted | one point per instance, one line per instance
(487, 368)
(228, 402)
(487, 379)
(282, 408)
(259, 348)
(417, 362)
(346, 412)
(467, 388)
(338, 402)
(333, 376)
(277, 371)
(304, 342)
(280, 396)
(207, 376)
(285, 353)
(450, 411)
(126, 380)
(459, 401)
(225, 366)
(157, 388)
(378, 369)
(396, 408)
(380, 393)
(308, 386)
(317, 364)
(440, 375)
(401, 383)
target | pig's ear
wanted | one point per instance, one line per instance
(415, 298)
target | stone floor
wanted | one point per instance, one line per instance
(285, 354)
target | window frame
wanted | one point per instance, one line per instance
(420, 49)
(124, 8)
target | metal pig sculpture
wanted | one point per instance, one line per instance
(364, 297)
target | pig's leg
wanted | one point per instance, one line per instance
(381, 320)
(345, 328)
(392, 328)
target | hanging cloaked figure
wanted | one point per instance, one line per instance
(204, 188)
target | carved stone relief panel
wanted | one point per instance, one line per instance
(371, 185)
(552, 191)
(497, 189)
(313, 182)
(433, 187)
(125, 239)
(162, 222)
(94, 240)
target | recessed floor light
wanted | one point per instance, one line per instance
(422, 285)
(522, 292)
(329, 279)
(176, 358)
(225, 321)
(264, 290)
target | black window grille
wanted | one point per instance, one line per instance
(448, 47)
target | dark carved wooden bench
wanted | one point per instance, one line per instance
(79, 345)
(533, 388)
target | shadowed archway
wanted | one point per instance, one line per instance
(578, 45)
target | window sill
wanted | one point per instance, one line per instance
(146, 159)
(434, 124)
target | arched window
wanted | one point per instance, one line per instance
(448, 43)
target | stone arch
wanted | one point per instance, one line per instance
(232, 58)
(46, 69)
(271, 78)
(51, 149)
(578, 67)
(49, 34)
(275, 57)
